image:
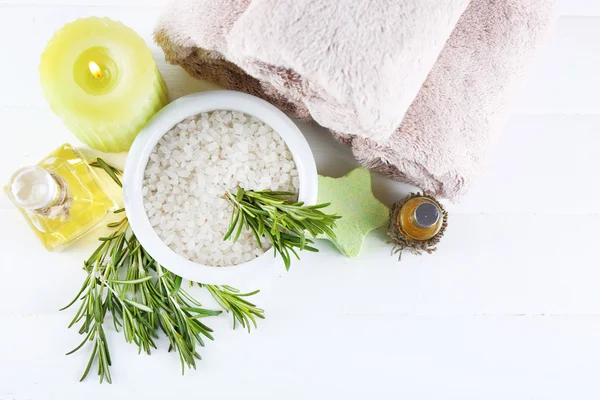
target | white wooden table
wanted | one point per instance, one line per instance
(508, 308)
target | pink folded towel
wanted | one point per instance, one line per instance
(418, 88)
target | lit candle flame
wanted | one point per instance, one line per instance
(95, 70)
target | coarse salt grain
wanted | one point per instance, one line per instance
(191, 168)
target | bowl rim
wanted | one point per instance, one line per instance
(263, 266)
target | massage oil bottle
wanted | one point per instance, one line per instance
(420, 219)
(61, 197)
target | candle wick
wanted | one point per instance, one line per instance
(95, 70)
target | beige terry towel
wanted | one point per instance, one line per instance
(418, 88)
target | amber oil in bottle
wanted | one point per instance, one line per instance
(419, 219)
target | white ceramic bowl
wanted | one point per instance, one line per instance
(264, 266)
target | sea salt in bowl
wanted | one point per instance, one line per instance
(257, 269)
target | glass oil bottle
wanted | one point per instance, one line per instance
(417, 224)
(420, 218)
(61, 197)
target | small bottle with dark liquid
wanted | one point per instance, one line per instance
(420, 219)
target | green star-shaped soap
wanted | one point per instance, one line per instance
(351, 197)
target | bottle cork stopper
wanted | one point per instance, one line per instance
(32, 188)
(40, 191)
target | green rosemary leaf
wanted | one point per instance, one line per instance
(256, 229)
(111, 171)
(138, 305)
(275, 193)
(234, 216)
(90, 362)
(234, 290)
(240, 194)
(202, 311)
(81, 344)
(104, 348)
(83, 288)
(132, 281)
(115, 224)
(240, 224)
(294, 252)
(177, 285)
(318, 206)
(287, 261)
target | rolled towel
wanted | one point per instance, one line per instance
(419, 89)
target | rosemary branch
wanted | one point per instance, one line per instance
(124, 282)
(231, 300)
(283, 222)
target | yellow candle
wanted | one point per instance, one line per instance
(99, 76)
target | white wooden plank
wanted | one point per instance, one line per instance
(563, 78)
(486, 264)
(542, 164)
(300, 356)
(578, 7)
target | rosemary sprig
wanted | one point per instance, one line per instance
(283, 222)
(231, 300)
(124, 282)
